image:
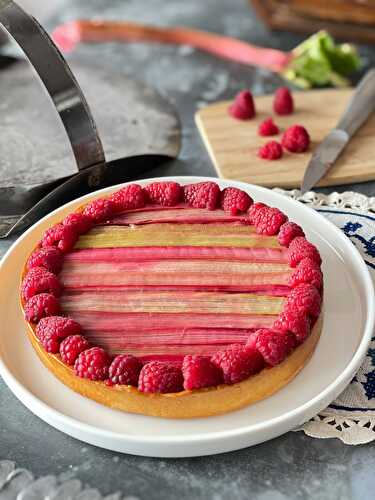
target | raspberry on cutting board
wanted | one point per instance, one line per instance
(272, 150)
(243, 107)
(283, 103)
(296, 139)
(268, 127)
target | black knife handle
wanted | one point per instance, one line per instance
(361, 105)
(59, 82)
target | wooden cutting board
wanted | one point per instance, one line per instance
(233, 144)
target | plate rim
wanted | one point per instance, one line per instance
(43, 410)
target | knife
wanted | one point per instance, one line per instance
(360, 107)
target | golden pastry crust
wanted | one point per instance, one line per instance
(185, 404)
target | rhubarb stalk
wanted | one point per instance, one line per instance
(68, 35)
(315, 62)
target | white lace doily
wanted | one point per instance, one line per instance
(347, 200)
(351, 417)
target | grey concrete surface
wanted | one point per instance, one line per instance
(293, 466)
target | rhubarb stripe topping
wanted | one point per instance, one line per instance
(126, 254)
(122, 323)
(161, 235)
(172, 302)
(175, 214)
(165, 282)
(177, 273)
(162, 342)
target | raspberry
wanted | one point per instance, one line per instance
(234, 200)
(289, 231)
(129, 197)
(202, 195)
(39, 280)
(80, 222)
(283, 101)
(51, 330)
(304, 298)
(274, 345)
(41, 305)
(296, 139)
(269, 221)
(71, 347)
(48, 257)
(252, 340)
(294, 322)
(64, 237)
(99, 210)
(255, 212)
(157, 376)
(243, 107)
(300, 248)
(166, 194)
(92, 364)
(268, 127)
(199, 372)
(272, 150)
(238, 362)
(307, 271)
(125, 370)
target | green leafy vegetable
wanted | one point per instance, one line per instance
(319, 61)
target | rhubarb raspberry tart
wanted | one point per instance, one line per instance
(174, 301)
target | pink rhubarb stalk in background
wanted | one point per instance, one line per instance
(68, 35)
(316, 62)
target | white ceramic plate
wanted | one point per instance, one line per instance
(348, 326)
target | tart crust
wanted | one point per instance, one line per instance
(185, 404)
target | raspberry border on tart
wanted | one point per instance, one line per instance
(232, 378)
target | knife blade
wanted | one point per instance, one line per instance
(361, 105)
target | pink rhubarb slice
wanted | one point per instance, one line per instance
(125, 254)
(179, 214)
(175, 273)
(162, 342)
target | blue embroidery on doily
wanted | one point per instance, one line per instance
(360, 229)
(369, 385)
(351, 228)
